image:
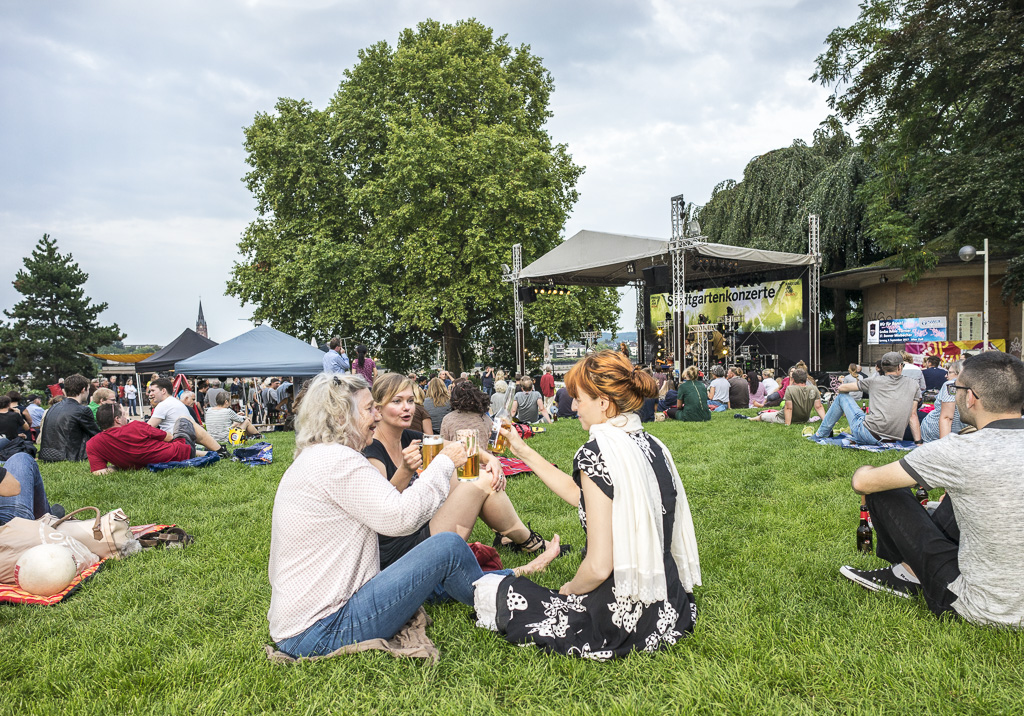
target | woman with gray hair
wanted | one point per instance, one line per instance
(327, 589)
(498, 397)
(945, 417)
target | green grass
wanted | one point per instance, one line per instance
(779, 630)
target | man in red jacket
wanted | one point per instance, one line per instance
(131, 445)
(547, 387)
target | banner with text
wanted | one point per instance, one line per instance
(768, 306)
(903, 330)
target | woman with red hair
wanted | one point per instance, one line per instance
(633, 589)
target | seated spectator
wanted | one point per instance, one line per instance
(528, 406)
(421, 422)
(498, 397)
(758, 390)
(668, 395)
(691, 399)
(168, 410)
(437, 403)
(739, 389)
(220, 419)
(564, 404)
(912, 371)
(99, 397)
(12, 422)
(893, 406)
(964, 558)
(21, 490)
(326, 593)
(718, 391)
(852, 376)
(801, 400)
(469, 412)
(131, 445)
(68, 424)
(195, 410)
(934, 376)
(771, 386)
(945, 417)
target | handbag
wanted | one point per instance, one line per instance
(20, 535)
(109, 535)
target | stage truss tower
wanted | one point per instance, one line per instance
(814, 297)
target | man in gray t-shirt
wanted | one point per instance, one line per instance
(965, 557)
(893, 406)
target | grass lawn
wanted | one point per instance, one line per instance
(779, 630)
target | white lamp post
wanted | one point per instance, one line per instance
(967, 253)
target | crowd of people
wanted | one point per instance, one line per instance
(398, 527)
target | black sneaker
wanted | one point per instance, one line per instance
(882, 580)
(741, 416)
(223, 452)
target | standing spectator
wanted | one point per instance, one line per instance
(547, 386)
(132, 396)
(364, 366)
(68, 424)
(934, 376)
(335, 360)
(487, 380)
(35, 412)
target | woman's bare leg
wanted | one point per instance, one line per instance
(469, 500)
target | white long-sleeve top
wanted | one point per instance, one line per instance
(329, 508)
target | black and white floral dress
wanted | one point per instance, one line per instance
(601, 625)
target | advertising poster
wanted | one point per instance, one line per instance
(768, 306)
(905, 330)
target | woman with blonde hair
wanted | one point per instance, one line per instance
(395, 453)
(437, 403)
(327, 593)
(633, 589)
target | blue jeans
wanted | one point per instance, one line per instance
(717, 406)
(844, 404)
(383, 605)
(132, 405)
(31, 502)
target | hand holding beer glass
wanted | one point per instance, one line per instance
(471, 470)
(430, 447)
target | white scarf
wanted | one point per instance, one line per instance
(637, 514)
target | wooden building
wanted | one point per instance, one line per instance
(953, 289)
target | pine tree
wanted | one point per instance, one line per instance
(55, 320)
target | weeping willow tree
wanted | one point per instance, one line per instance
(768, 209)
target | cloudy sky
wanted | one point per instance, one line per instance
(121, 122)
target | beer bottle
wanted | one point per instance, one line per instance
(921, 495)
(864, 532)
(502, 418)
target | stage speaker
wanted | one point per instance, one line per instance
(658, 276)
(527, 294)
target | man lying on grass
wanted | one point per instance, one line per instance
(131, 445)
(968, 563)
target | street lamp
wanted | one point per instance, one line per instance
(967, 253)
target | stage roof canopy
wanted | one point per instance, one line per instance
(598, 258)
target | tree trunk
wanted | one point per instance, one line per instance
(839, 318)
(452, 349)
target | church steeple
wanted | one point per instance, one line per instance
(201, 321)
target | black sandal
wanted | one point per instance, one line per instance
(534, 544)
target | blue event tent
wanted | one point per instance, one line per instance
(260, 352)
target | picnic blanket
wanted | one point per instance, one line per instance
(513, 466)
(207, 459)
(846, 440)
(11, 594)
(412, 640)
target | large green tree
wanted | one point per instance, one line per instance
(937, 87)
(56, 320)
(390, 212)
(768, 209)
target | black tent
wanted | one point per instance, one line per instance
(188, 344)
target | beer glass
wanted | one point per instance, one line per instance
(470, 471)
(430, 447)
